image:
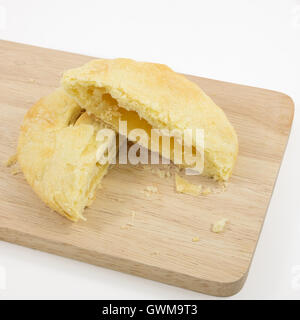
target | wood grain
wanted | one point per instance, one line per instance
(159, 245)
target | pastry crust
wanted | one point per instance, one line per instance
(153, 95)
(57, 154)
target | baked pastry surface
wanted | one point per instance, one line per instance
(149, 95)
(57, 154)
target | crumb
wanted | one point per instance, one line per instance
(32, 80)
(129, 224)
(223, 184)
(195, 239)
(155, 253)
(183, 186)
(220, 189)
(206, 191)
(216, 190)
(152, 189)
(149, 190)
(161, 173)
(12, 160)
(220, 225)
(155, 169)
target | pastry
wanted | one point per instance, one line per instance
(57, 154)
(152, 96)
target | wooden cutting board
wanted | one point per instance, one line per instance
(158, 245)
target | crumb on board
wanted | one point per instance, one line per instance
(149, 190)
(155, 253)
(12, 160)
(183, 186)
(206, 191)
(222, 187)
(220, 225)
(126, 226)
(162, 173)
(195, 239)
(152, 189)
(130, 224)
(223, 184)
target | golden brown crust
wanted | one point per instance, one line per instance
(57, 154)
(162, 97)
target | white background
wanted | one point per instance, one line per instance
(250, 42)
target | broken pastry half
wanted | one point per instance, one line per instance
(57, 153)
(152, 96)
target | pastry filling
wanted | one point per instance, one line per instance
(99, 102)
